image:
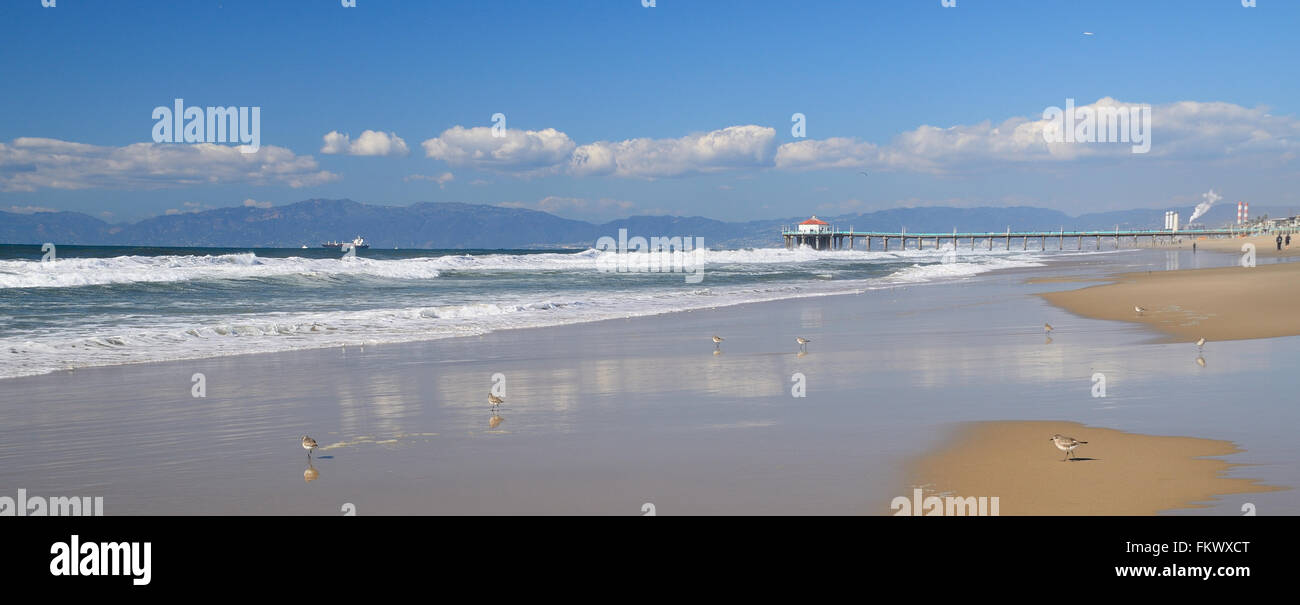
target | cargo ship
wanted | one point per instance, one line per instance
(358, 243)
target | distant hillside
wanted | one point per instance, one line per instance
(455, 225)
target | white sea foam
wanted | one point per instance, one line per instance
(195, 332)
(75, 272)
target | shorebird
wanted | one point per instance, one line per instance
(1200, 343)
(803, 343)
(717, 341)
(1139, 309)
(1065, 444)
(308, 444)
(494, 400)
(1048, 328)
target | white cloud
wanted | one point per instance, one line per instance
(28, 209)
(519, 151)
(252, 203)
(837, 152)
(28, 164)
(1186, 130)
(188, 208)
(578, 207)
(441, 179)
(371, 143)
(731, 148)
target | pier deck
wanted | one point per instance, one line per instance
(836, 239)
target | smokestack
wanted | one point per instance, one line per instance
(1238, 213)
(1174, 221)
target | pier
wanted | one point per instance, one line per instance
(834, 239)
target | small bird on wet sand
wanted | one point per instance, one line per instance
(1065, 444)
(1139, 310)
(803, 343)
(717, 341)
(494, 400)
(308, 444)
(1048, 328)
(1200, 343)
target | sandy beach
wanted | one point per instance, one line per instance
(605, 417)
(1115, 473)
(1227, 303)
(1265, 245)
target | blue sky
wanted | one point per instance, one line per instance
(655, 90)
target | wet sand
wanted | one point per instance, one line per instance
(605, 417)
(1115, 473)
(1229, 303)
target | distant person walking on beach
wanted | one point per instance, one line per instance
(1279, 242)
(1288, 240)
(1193, 247)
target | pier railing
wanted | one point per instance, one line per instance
(835, 238)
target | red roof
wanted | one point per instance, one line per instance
(814, 221)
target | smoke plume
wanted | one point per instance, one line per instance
(1210, 197)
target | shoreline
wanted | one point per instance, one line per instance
(813, 289)
(1111, 475)
(1265, 245)
(1223, 303)
(604, 416)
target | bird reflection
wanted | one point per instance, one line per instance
(495, 421)
(311, 474)
(801, 353)
(717, 352)
(1200, 361)
(1049, 340)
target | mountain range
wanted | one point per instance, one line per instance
(458, 225)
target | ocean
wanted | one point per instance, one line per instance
(103, 305)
